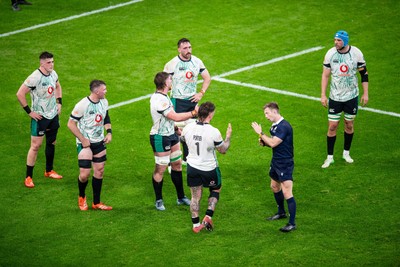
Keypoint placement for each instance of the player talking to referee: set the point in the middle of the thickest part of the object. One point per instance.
(202, 140)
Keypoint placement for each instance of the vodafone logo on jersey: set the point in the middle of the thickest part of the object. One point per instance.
(344, 69)
(189, 75)
(98, 118)
(50, 90)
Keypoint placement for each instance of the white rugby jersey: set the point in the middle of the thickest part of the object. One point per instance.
(160, 106)
(202, 139)
(90, 117)
(184, 76)
(42, 89)
(344, 68)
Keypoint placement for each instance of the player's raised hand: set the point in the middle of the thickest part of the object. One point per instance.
(229, 130)
(256, 127)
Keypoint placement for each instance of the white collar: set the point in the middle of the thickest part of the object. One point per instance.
(276, 123)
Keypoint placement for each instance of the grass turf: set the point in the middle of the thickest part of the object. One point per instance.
(347, 214)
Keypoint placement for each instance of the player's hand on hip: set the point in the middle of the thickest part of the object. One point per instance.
(197, 97)
(35, 116)
(108, 138)
(85, 143)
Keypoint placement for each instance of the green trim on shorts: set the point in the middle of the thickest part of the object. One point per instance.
(34, 127)
(158, 143)
(218, 171)
(79, 148)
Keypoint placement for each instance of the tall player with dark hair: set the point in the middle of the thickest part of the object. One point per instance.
(185, 69)
(46, 95)
(341, 64)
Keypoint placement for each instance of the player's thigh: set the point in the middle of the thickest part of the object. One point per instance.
(85, 156)
(196, 192)
(335, 109)
(99, 161)
(36, 141)
(287, 188)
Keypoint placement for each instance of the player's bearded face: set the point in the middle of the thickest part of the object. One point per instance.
(338, 43)
(185, 50)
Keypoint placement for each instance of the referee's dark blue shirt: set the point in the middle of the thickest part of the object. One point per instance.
(284, 131)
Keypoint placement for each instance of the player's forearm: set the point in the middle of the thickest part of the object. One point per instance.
(365, 88)
(225, 146)
(206, 81)
(21, 96)
(205, 85)
(324, 81)
(58, 92)
(178, 117)
(74, 130)
(324, 85)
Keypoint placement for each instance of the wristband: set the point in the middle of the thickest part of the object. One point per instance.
(59, 100)
(27, 109)
(202, 91)
(194, 113)
(109, 131)
(261, 134)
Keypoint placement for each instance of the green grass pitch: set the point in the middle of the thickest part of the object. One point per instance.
(347, 215)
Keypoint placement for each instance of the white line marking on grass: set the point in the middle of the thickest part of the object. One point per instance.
(70, 18)
(270, 61)
(283, 92)
(232, 72)
(123, 103)
(263, 88)
(220, 78)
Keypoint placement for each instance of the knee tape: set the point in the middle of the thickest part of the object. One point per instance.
(100, 159)
(85, 163)
(214, 194)
(162, 160)
(334, 117)
(349, 117)
(176, 155)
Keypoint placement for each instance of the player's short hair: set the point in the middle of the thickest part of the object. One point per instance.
(272, 105)
(95, 84)
(160, 79)
(205, 109)
(45, 55)
(183, 40)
